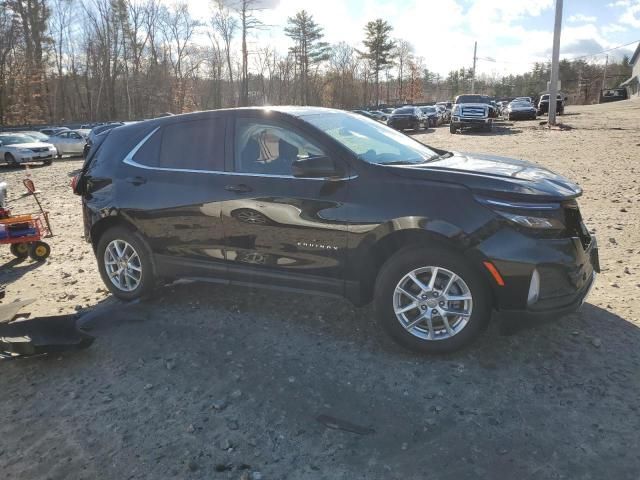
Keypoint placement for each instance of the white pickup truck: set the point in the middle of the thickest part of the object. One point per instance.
(471, 111)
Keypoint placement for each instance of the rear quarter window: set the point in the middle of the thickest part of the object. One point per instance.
(192, 145)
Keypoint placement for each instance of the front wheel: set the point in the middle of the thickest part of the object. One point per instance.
(125, 264)
(452, 129)
(10, 159)
(431, 300)
(39, 251)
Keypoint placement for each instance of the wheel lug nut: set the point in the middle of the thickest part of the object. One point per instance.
(434, 311)
(442, 304)
(423, 307)
(424, 297)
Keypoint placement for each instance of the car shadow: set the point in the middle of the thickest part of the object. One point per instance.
(32, 166)
(554, 401)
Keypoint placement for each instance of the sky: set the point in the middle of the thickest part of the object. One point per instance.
(511, 34)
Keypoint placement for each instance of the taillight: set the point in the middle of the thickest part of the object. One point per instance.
(74, 183)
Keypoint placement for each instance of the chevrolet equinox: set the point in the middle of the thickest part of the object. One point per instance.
(320, 200)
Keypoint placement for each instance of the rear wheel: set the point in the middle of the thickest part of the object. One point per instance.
(19, 250)
(125, 264)
(431, 300)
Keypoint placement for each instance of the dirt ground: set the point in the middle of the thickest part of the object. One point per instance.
(207, 382)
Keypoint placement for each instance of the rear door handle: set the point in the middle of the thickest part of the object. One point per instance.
(136, 180)
(241, 188)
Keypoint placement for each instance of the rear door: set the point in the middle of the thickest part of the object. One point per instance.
(282, 230)
(172, 184)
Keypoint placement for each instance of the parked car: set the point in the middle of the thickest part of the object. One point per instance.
(434, 118)
(379, 115)
(470, 112)
(53, 131)
(520, 110)
(405, 118)
(290, 198)
(16, 149)
(39, 136)
(613, 95)
(543, 104)
(445, 113)
(69, 142)
(523, 99)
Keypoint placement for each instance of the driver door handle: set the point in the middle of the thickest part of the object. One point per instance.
(240, 188)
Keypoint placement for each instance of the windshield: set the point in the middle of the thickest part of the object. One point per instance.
(472, 99)
(15, 139)
(404, 111)
(371, 141)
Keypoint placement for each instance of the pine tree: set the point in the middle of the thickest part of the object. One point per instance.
(308, 49)
(379, 49)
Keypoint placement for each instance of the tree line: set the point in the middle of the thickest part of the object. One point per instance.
(99, 60)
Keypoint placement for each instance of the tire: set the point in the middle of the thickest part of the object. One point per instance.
(47, 162)
(19, 250)
(144, 271)
(10, 159)
(452, 129)
(39, 251)
(395, 271)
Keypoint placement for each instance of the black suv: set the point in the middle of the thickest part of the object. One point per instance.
(311, 199)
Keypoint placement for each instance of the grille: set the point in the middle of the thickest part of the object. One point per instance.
(575, 225)
(39, 149)
(473, 112)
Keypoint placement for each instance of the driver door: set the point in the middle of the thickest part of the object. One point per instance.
(282, 229)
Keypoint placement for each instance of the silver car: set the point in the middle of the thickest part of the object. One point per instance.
(70, 142)
(16, 149)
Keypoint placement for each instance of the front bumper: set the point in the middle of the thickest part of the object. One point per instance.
(470, 121)
(566, 267)
(522, 114)
(34, 157)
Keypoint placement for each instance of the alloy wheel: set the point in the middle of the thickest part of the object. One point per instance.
(432, 303)
(123, 266)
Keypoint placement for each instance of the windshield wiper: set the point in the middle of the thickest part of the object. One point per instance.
(440, 157)
(401, 162)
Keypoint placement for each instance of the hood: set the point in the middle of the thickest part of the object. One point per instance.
(516, 108)
(495, 176)
(30, 145)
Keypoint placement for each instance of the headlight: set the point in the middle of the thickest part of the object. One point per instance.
(532, 222)
(456, 110)
(527, 215)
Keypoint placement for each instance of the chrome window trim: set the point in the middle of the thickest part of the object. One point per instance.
(131, 162)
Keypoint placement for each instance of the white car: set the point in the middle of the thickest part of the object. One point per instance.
(16, 149)
(70, 142)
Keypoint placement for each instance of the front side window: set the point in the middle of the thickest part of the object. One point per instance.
(369, 140)
(269, 147)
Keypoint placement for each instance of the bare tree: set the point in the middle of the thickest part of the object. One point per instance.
(247, 10)
(225, 24)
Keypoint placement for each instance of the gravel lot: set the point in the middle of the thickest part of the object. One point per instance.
(207, 382)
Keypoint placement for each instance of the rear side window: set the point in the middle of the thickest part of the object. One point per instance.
(188, 145)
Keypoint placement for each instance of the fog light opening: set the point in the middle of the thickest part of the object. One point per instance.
(534, 288)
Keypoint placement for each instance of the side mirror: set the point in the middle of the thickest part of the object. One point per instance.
(315, 167)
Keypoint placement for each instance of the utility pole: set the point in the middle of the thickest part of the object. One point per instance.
(473, 72)
(604, 77)
(555, 64)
